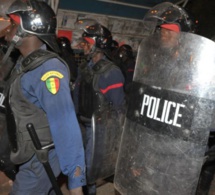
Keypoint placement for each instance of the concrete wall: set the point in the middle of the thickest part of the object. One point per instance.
(124, 31)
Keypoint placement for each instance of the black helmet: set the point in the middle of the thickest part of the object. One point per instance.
(100, 34)
(37, 18)
(168, 13)
(125, 51)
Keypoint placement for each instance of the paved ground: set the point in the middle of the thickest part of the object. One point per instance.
(104, 189)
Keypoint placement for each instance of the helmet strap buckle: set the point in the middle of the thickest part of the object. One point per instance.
(16, 39)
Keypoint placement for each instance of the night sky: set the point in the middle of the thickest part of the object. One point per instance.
(204, 11)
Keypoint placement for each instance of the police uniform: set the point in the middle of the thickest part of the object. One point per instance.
(100, 85)
(42, 96)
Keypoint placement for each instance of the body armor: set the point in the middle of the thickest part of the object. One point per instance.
(90, 97)
(25, 112)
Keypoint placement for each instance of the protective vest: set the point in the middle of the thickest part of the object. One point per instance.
(90, 97)
(25, 112)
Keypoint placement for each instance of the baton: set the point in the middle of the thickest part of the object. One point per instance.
(45, 162)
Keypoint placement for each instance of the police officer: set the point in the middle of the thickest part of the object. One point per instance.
(174, 20)
(171, 16)
(100, 83)
(39, 94)
(167, 21)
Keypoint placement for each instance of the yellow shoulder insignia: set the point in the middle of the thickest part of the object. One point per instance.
(51, 74)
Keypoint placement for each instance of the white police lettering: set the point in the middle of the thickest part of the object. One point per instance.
(1, 100)
(152, 104)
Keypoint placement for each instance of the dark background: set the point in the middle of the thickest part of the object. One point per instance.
(204, 11)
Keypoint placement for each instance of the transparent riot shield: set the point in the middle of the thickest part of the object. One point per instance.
(106, 129)
(170, 112)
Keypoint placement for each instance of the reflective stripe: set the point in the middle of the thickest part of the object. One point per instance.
(118, 85)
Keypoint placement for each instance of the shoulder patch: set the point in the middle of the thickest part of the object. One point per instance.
(53, 84)
(51, 74)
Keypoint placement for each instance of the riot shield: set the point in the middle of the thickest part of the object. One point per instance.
(170, 112)
(106, 130)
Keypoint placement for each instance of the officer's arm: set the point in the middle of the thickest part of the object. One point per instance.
(54, 96)
(111, 86)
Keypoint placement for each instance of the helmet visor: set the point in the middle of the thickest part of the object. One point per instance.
(8, 7)
(90, 26)
(19, 5)
(11, 6)
(153, 16)
(82, 24)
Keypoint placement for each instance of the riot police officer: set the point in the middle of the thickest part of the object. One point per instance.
(39, 94)
(169, 16)
(166, 21)
(151, 152)
(100, 84)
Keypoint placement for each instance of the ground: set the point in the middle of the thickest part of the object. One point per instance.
(103, 189)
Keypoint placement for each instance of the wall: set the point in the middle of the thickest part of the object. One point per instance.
(124, 31)
(122, 17)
